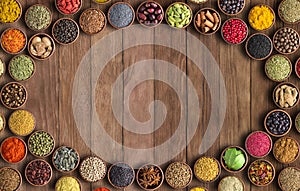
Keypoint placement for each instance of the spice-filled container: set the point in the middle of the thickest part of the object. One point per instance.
(117, 181)
(286, 95)
(207, 21)
(21, 67)
(92, 21)
(150, 14)
(207, 169)
(229, 182)
(199, 189)
(38, 17)
(278, 123)
(92, 169)
(288, 11)
(13, 150)
(65, 159)
(41, 46)
(179, 15)
(65, 31)
(286, 150)
(2, 122)
(261, 172)
(13, 41)
(198, 1)
(258, 144)
(297, 122)
(70, 182)
(38, 172)
(11, 175)
(11, 11)
(288, 179)
(178, 175)
(101, 189)
(13, 95)
(234, 31)
(21, 122)
(2, 68)
(234, 159)
(68, 7)
(100, 2)
(121, 15)
(278, 68)
(231, 8)
(41, 144)
(259, 46)
(286, 40)
(261, 17)
(150, 177)
(297, 67)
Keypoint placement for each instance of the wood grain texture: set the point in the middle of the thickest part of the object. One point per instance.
(248, 91)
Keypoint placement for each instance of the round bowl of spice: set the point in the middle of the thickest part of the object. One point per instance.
(207, 21)
(288, 11)
(92, 169)
(286, 40)
(150, 177)
(21, 122)
(286, 150)
(41, 144)
(11, 11)
(198, 189)
(2, 68)
(101, 1)
(231, 183)
(68, 183)
(179, 15)
(121, 175)
(259, 46)
(289, 179)
(65, 159)
(13, 41)
(261, 17)
(13, 150)
(92, 21)
(2, 122)
(21, 67)
(297, 122)
(38, 172)
(198, 1)
(258, 144)
(207, 169)
(38, 17)
(65, 31)
(41, 46)
(286, 95)
(231, 8)
(278, 68)
(261, 172)
(297, 68)
(178, 175)
(121, 15)
(10, 179)
(278, 123)
(150, 14)
(68, 7)
(234, 159)
(13, 95)
(234, 31)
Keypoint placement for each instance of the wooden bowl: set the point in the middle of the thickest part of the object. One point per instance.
(21, 10)
(81, 22)
(7, 85)
(267, 129)
(80, 186)
(271, 143)
(62, 171)
(41, 35)
(289, 64)
(108, 175)
(208, 33)
(166, 14)
(45, 183)
(246, 46)
(199, 3)
(279, 85)
(275, 44)
(153, 188)
(137, 13)
(13, 53)
(280, 174)
(228, 13)
(23, 144)
(297, 128)
(18, 172)
(108, 15)
(56, 22)
(101, 3)
(10, 63)
(84, 178)
(4, 122)
(298, 61)
(28, 142)
(297, 156)
(40, 5)
(281, 17)
(189, 169)
(215, 177)
(56, 6)
(199, 187)
(266, 161)
(4, 68)
(259, 5)
(15, 133)
(219, 185)
(228, 21)
(223, 162)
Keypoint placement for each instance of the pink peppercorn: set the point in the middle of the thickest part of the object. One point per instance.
(234, 31)
(258, 144)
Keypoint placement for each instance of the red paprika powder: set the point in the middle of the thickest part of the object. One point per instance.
(13, 150)
(101, 189)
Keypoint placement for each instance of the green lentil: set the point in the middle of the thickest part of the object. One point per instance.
(38, 17)
(278, 68)
(41, 143)
(21, 67)
(289, 10)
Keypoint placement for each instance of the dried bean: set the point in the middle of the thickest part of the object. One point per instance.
(92, 169)
(38, 172)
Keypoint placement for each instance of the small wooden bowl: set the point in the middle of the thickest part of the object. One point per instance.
(81, 24)
(84, 178)
(271, 143)
(270, 8)
(10, 63)
(80, 186)
(56, 22)
(280, 174)
(21, 10)
(281, 17)
(161, 181)
(297, 156)
(4, 68)
(45, 183)
(275, 44)
(235, 18)
(41, 35)
(23, 135)
(199, 187)
(14, 53)
(18, 172)
(297, 128)
(273, 169)
(215, 177)
(289, 64)
(137, 13)
(23, 144)
(223, 162)
(7, 85)
(166, 14)
(108, 175)
(279, 85)
(212, 10)
(246, 46)
(189, 169)
(198, 3)
(219, 189)
(108, 15)
(267, 129)
(228, 14)
(298, 61)
(53, 158)
(4, 122)
(40, 5)
(101, 3)
(56, 6)
(28, 142)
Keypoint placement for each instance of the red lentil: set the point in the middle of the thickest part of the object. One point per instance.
(68, 6)
(258, 144)
(234, 31)
(13, 40)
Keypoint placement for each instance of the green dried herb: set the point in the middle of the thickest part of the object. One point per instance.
(289, 10)
(21, 67)
(278, 68)
(298, 123)
(234, 159)
(38, 17)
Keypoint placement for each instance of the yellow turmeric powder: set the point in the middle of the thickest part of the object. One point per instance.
(261, 17)
(10, 11)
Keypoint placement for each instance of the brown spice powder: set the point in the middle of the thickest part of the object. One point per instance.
(286, 150)
(92, 21)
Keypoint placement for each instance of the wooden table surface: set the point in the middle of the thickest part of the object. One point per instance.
(248, 93)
